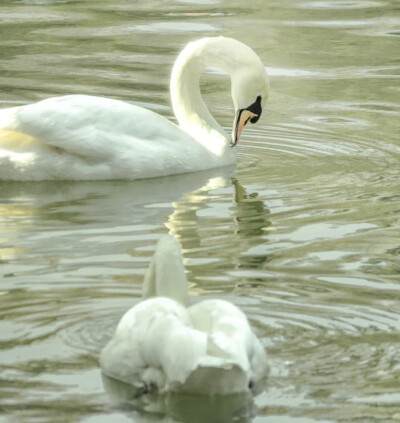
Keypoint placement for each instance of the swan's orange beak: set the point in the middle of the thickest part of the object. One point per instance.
(242, 117)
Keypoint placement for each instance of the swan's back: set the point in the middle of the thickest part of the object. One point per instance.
(81, 137)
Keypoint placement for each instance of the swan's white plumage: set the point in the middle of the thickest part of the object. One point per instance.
(82, 137)
(207, 348)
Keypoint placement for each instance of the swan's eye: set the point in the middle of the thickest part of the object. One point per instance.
(251, 384)
(255, 118)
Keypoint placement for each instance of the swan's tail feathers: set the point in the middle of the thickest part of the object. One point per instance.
(168, 245)
(8, 118)
(17, 141)
(16, 154)
(166, 274)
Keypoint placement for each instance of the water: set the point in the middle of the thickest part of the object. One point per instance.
(304, 236)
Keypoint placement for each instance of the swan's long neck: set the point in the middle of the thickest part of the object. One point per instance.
(187, 102)
(165, 276)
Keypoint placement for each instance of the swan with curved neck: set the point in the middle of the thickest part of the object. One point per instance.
(164, 344)
(249, 83)
(80, 137)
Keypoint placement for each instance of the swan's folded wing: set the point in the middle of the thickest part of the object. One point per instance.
(82, 137)
(84, 125)
(89, 125)
(229, 333)
(230, 336)
(154, 342)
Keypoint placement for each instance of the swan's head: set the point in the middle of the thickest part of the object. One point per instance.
(250, 89)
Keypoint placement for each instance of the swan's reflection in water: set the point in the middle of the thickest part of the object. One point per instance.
(215, 219)
(153, 407)
(252, 224)
(217, 225)
(249, 212)
(89, 202)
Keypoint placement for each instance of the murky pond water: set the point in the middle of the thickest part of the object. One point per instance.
(304, 235)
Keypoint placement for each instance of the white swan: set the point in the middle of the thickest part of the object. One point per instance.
(80, 137)
(207, 348)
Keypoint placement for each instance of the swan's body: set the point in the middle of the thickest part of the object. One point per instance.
(207, 348)
(81, 137)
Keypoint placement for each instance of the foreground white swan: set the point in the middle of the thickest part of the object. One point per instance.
(83, 137)
(207, 348)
